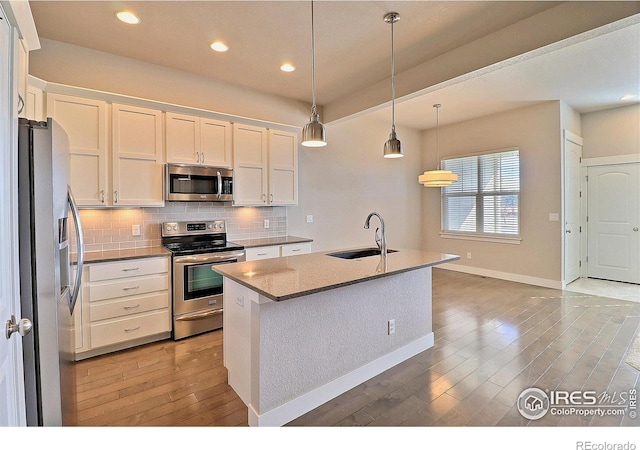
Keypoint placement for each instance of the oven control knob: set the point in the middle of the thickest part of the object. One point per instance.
(175, 228)
(168, 228)
(221, 225)
(210, 226)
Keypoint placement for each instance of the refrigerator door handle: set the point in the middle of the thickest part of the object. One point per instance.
(73, 296)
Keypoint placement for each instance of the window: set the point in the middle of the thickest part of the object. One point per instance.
(485, 201)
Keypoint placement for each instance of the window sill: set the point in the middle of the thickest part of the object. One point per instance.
(483, 238)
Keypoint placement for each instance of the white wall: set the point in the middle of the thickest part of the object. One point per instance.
(343, 182)
(612, 132)
(536, 131)
(63, 63)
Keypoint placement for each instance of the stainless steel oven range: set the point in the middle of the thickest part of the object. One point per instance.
(197, 289)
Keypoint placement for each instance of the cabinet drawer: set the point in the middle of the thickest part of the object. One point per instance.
(128, 306)
(116, 331)
(255, 253)
(296, 249)
(129, 268)
(126, 287)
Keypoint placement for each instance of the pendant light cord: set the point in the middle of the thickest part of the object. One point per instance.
(393, 84)
(313, 62)
(437, 107)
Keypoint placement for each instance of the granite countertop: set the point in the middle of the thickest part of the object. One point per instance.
(121, 255)
(267, 242)
(295, 276)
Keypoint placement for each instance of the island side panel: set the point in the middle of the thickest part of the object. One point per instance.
(237, 337)
(309, 342)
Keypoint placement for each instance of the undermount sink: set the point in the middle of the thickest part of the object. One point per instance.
(359, 253)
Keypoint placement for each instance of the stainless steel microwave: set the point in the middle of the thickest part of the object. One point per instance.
(187, 183)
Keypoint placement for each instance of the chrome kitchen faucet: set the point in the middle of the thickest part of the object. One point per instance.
(381, 242)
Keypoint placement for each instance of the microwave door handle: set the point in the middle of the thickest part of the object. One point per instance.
(219, 185)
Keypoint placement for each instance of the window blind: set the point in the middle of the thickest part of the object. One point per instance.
(486, 198)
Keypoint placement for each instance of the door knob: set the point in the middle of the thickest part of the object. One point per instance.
(23, 327)
(635, 228)
(568, 231)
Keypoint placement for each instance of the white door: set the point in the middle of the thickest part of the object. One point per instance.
(613, 222)
(12, 403)
(572, 200)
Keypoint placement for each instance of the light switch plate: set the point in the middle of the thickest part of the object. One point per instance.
(309, 218)
(135, 230)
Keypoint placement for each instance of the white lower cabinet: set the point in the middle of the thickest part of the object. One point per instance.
(256, 253)
(124, 303)
(277, 251)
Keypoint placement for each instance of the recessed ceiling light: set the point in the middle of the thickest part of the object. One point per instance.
(219, 46)
(287, 67)
(128, 17)
(628, 97)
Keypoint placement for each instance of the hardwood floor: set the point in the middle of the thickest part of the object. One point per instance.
(493, 339)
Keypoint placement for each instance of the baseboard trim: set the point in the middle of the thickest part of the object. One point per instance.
(542, 282)
(295, 408)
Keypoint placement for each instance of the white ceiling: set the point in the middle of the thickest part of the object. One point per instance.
(353, 50)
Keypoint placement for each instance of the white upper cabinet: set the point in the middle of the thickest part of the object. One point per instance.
(265, 166)
(85, 122)
(137, 156)
(283, 168)
(198, 140)
(215, 143)
(249, 165)
(182, 138)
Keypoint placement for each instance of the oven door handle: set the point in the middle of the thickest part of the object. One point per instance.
(198, 259)
(199, 315)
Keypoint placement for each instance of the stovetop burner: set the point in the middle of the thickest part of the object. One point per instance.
(186, 238)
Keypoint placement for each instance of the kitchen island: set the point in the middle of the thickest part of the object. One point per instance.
(301, 330)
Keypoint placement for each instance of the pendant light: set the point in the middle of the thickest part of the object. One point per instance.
(313, 133)
(438, 177)
(393, 147)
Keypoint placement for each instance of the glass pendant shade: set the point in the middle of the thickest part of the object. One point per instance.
(393, 147)
(313, 133)
(437, 178)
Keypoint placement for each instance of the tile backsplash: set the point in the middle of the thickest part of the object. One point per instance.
(110, 229)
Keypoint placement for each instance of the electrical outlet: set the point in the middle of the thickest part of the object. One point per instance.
(266, 223)
(391, 326)
(135, 230)
(554, 217)
(468, 255)
(309, 218)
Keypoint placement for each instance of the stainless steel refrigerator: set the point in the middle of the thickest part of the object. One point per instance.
(48, 292)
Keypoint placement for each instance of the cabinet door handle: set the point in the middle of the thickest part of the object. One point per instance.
(127, 308)
(131, 330)
(271, 198)
(198, 157)
(263, 254)
(202, 157)
(102, 195)
(131, 288)
(115, 196)
(264, 198)
(295, 249)
(131, 269)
